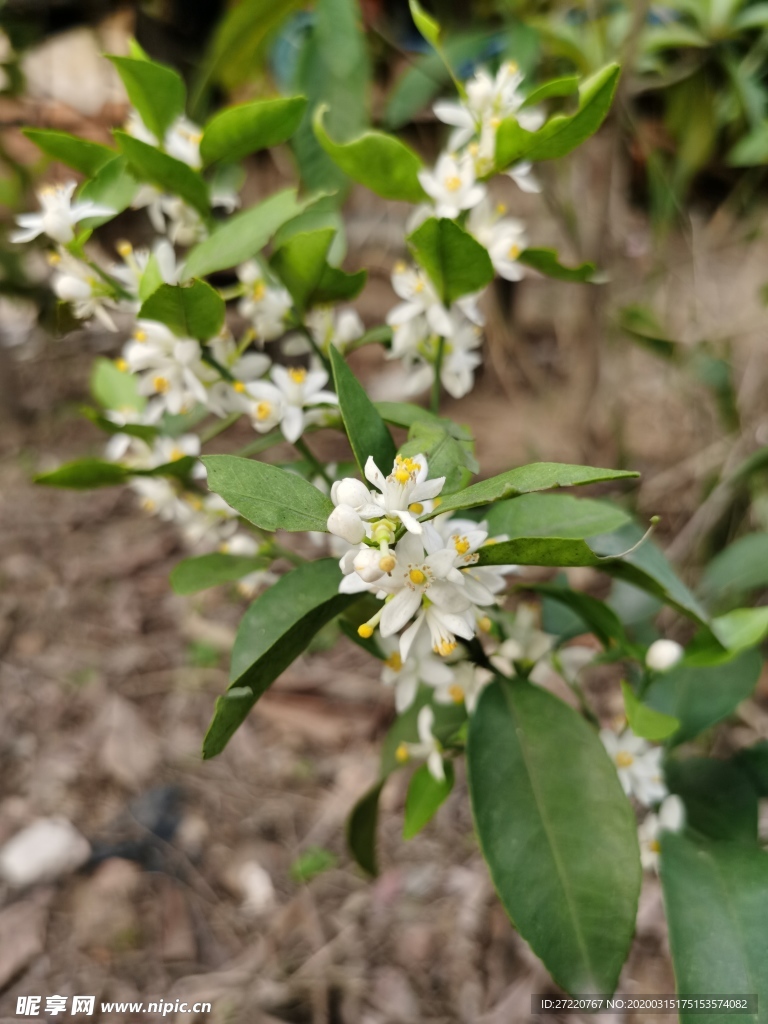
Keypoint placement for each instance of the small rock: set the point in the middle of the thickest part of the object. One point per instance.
(104, 912)
(43, 852)
(22, 935)
(130, 750)
(178, 937)
(256, 887)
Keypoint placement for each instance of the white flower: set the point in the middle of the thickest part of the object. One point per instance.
(328, 327)
(566, 662)
(181, 141)
(670, 818)
(468, 682)
(170, 215)
(135, 262)
(638, 765)
(421, 666)
(284, 401)
(228, 396)
(158, 496)
(171, 367)
(466, 537)
(452, 185)
(525, 643)
(402, 493)
(663, 655)
(503, 237)
(523, 176)
(419, 298)
(428, 748)
(345, 522)
(58, 216)
(76, 283)
(263, 304)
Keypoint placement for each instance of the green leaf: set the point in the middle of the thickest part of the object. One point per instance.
(546, 262)
(337, 285)
(144, 433)
(192, 310)
(361, 829)
(238, 131)
(557, 832)
(84, 156)
(274, 631)
(557, 552)
(425, 795)
(366, 430)
(554, 515)
(84, 474)
(311, 863)
(720, 801)
(595, 616)
(565, 86)
(741, 628)
(538, 476)
(645, 721)
(641, 325)
(426, 25)
(156, 91)
(112, 186)
(563, 132)
(243, 235)
(205, 571)
(753, 761)
(165, 172)
(738, 570)
(752, 149)
(114, 389)
(456, 263)
(701, 695)
(379, 161)
(445, 455)
(716, 899)
(300, 263)
(239, 40)
(405, 414)
(269, 497)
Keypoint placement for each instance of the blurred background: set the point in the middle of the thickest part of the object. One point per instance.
(229, 880)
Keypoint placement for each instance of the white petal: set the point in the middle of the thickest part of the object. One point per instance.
(400, 610)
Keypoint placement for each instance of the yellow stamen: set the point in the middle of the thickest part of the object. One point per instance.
(176, 454)
(484, 623)
(456, 693)
(387, 563)
(514, 252)
(394, 661)
(513, 67)
(417, 576)
(124, 249)
(365, 631)
(263, 410)
(501, 209)
(445, 647)
(654, 846)
(140, 335)
(495, 122)
(121, 365)
(473, 148)
(461, 544)
(54, 259)
(259, 290)
(238, 386)
(148, 505)
(399, 267)
(452, 182)
(402, 476)
(297, 374)
(193, 501)
(160, 384)
(416, 507)
(402, 754)
(419, 286)
(624, 759)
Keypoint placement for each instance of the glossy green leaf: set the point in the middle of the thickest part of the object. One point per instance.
(368, 434)
(424, 798)
(405, 414)
(84, 156)
(379, 161)
(362, 825)
(538, 476)
(243, 235)
(720, 801)
(165, 172)
(248, 127)
(194, 574)
(593, 615)
(716, 899)
(85, 474)
(274, 631)
(114, 389)
(557, 87)
(337, 285)
(563, 132)
(645, 721)
(547, 262)
(113, 186)
(156, 91)
(557, 832)
(702, 695)
(446, 456)
(192, 310)
(554, 515)
(738, 570)
(269, 497)
(456, 263)
(426, 25)
(557, 552)
(300, 263)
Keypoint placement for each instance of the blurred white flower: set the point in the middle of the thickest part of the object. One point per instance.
(638, 765)
(662, 655)
(452, 185)
(58, 216)
(670, 818)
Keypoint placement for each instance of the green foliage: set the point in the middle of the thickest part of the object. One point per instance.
(720, 801)
(203, 571)
(644, 721)
(114, 389)
(716, 899)
(86, 157)
(113, 185)
(302, 265)
(737, 571)
(361, 829)
(155, 90)
(546, 262)
(563, 855)
(244, 129)
(554, 515)
(275, 630)
(269, 497)
(85, 474)
(446, 455)
(455, 262)
(191, 310)
(312, 862)
(424, 797)
(366, 430)
(164, 172)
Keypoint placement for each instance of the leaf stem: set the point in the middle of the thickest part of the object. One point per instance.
(303, 448)
(434, 403)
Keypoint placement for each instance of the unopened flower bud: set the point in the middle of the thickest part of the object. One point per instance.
(350, 492)
(346, 523)
(663, 654)
(69, 288)
(387, 563)
(367, 564)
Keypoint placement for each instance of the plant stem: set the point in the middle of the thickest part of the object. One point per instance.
(434, 403)
(303, 449)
